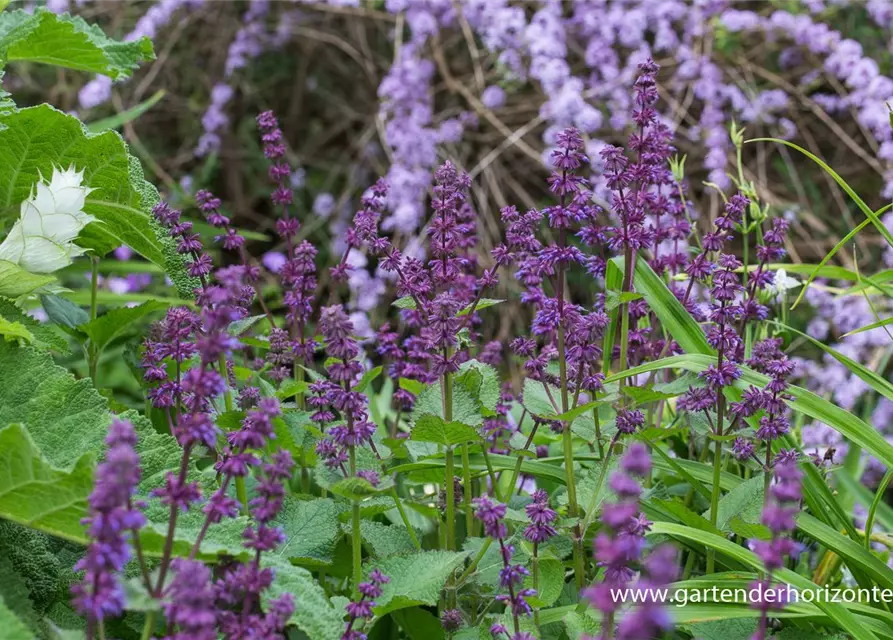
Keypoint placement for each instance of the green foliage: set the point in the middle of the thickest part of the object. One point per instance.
(44, 336)
(314, 614)
(13, 627)
(38, 138)
(15, 281)
(114, 322)
(32, 558)
(429, 428)
(416, 579)
(66, 41)
(311, 529)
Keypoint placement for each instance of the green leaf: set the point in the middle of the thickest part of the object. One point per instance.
(734, 629)
(416, 579)
(840, 615)
(677, 321)
(385, 540)
(14, 331)
(551, 582)
(357, 488)
(614, 298)
(536, 468)
(15, 281)
(45, 335)
(38, 138)
(367, 378)
(129, 115)
(419, 624)
(686, 516)
(313, 614)
(806, 402)
(744, 501)
(429, 428)
(541, 399)
(406, 302)
(466, 409)
(311, 530)
(483, 303)
(868, 376)
(13, 628)
(35, 494)
(64, 312)
(66, 41)
(114, 322)
(482, 382)
(239, 327)
(291, 388)
(872, 216)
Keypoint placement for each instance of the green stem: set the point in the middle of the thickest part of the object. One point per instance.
(466, 480)
(149, 626)
(573, 508)
(399, 505)
(93, 352)
(535, 565)
(356, 540)
(716, 490)
(517, 470)
(869, 521)
(241, 491)
(450, 515)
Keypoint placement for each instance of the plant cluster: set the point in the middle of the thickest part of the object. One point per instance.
(287, 472)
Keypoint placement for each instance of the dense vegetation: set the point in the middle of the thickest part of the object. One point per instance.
(508, 320)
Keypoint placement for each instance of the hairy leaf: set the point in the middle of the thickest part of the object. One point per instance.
(67, 41)
(416, 579)
(311, 529)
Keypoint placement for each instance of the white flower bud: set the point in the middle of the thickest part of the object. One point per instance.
(42, 239)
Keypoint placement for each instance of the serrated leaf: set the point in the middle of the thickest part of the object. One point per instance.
(15, 281)
(67, 41)
(45, 335)
(313, 614)
(67, 422)
(466, 409)
(311, 529)
(37, 138)
(429, 428)
(481, 381)
(385, 540)
(550, 583)
(744, 502)
(15, 331)
(114, 322)
(539, 397)
(416, 579)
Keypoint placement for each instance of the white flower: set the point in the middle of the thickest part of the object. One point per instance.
(782, 284)
(42, 239)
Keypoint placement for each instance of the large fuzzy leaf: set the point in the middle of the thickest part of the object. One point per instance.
(36, 139)
(416, 579)
(66, 41)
